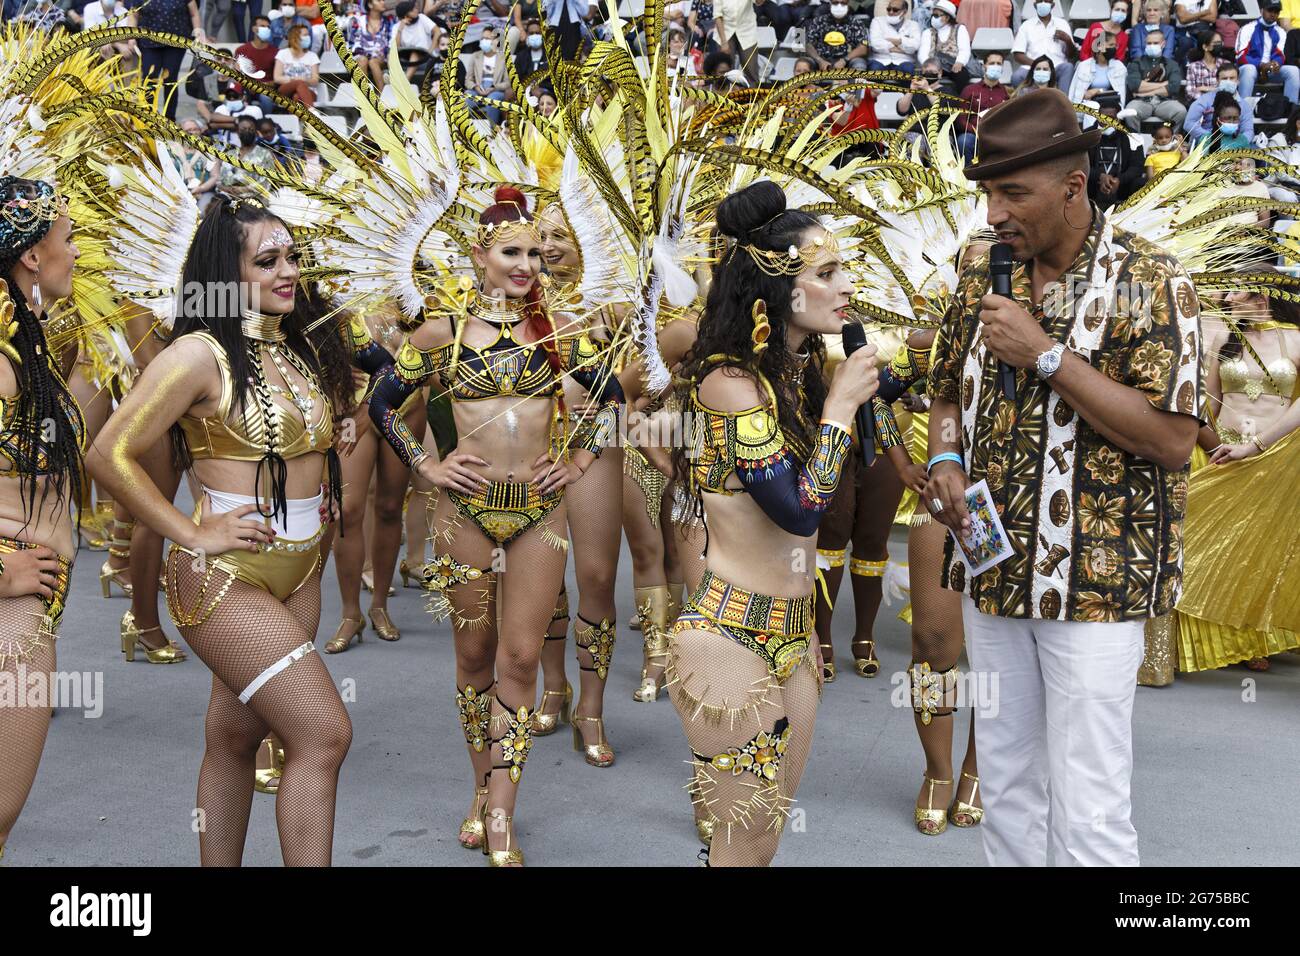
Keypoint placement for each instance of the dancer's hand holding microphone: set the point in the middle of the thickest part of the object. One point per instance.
(855, 382)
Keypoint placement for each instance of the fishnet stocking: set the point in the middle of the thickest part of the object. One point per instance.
(147, 546)
(350, 548)
(645, 540)
(248, 631)
(391, 480)
(553, 676)
(725, 698)
(22, 729)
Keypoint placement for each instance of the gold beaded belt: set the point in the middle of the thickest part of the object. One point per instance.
(775, 628)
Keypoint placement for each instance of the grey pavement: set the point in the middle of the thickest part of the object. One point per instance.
(1214, 773)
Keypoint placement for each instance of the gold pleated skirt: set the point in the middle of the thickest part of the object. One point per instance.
(1241, 564)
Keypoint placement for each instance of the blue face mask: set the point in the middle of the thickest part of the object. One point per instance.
(1229, 129)
(1228, 86)
(264, 33)
(1118, 16)
(993, 71)
(535, 41)
(1042, 76)
(305, 42)
(487, 46)
(1043, 9)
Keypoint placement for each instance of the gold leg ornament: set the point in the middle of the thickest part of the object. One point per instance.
(758, 758)
(598, 641)
(866, 666)
(653, 607)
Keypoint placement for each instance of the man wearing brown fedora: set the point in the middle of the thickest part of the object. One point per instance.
(1087, 468)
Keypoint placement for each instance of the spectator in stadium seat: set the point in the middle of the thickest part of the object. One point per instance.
(416, 35)
(1260, 50)
(979, 96)
(947, 41)
(1115, 26)
(530, 58)
(1202, 72)
(894, 38)
(1155, 19)
(1155, 83)
(1041, 74)
(1049, 36)
(837, 40)
(1100, 73)
(296, 69)
(1200, 114)
(486, 76)
(1191, 17)
(1117, 167)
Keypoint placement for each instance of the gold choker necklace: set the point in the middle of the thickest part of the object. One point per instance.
(505, 311)
(261, 328)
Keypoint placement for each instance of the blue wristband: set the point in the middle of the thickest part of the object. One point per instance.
(944, 456)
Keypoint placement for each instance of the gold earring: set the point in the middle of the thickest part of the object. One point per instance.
(762, 328)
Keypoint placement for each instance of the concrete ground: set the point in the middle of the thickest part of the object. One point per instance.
(1214, 773)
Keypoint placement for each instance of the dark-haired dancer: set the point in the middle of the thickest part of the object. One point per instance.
(769, 445)
(250, 404)
(41, 474)
(502, 502)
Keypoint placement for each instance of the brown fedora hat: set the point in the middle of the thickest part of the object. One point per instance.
(1026, 130)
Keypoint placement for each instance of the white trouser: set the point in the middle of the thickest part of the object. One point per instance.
(1060, 735)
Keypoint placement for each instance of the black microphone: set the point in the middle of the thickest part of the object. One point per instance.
(854, 335)
(1000, 273)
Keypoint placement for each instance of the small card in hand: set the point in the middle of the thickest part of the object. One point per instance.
(986, 543)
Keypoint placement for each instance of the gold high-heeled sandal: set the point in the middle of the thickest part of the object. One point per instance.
(383, 625)
(960, 808)
(119, 547)
(132, 637)
(828, 663)
(407, 573)
(704, 830)
(865, 666)
(545, 724)
(267, 780)
(930, 821)
(471, 834)
(506, 857)
(599, 754)
(342, 638)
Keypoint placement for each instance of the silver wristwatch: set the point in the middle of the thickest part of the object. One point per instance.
(1050, 361)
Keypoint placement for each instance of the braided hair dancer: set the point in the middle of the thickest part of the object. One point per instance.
(41, 474)
(250, 405)
(502, 495)
(768, 448)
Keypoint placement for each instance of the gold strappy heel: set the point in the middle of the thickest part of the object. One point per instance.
(471, 834)
(828, 663)
(169, 653)
(506, 857)
(342, 638)
(599, 754)
(930, 821)
(866, 666)
(407, 572)
(544, 723)
(383, 625)
(267, 780)
(960, 808)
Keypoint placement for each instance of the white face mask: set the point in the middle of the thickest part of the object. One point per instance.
(937, 22)
(287, 11)
(1042, 76)
(1163, 147)
(1155, 51)
(839, 10)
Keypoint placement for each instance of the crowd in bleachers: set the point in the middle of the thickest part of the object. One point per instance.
(1224, 71)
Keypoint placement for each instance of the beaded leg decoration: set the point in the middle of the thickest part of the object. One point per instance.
(653, 607)
(597, 640)
(934, 694)
(756, 765)
(515, 726)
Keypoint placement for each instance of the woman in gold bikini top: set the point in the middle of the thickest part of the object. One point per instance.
(249, 400)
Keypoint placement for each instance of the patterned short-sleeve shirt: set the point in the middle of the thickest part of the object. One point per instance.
(1097, 531)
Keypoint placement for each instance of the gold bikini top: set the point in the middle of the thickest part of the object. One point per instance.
(1239, 376)
(242, 437)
